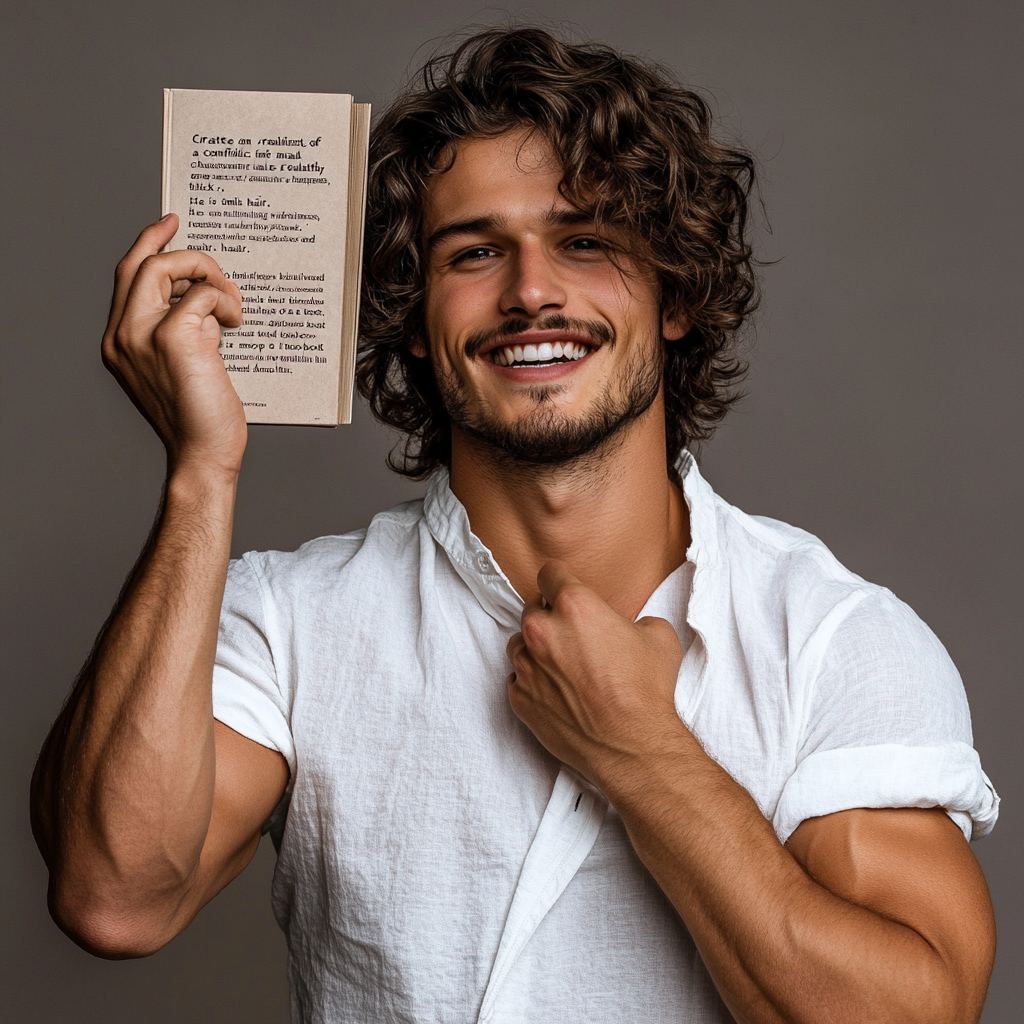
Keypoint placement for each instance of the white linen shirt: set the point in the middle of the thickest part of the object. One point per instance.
(437, 865)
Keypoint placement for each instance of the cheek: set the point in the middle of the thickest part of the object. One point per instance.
(444, 309)
(444, 321)
(454, 309)
(631, 303)
(435, 305)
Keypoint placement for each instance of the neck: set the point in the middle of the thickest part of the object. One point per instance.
(615, 517)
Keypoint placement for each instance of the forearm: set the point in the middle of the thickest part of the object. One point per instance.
(891, 919)
(780, 947)
(124, 788)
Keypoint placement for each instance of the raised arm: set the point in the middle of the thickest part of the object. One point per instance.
(143, 806)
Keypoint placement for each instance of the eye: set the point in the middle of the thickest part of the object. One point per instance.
(586, 243)
(476, 254)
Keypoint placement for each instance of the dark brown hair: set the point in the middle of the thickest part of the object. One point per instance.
(637, 152)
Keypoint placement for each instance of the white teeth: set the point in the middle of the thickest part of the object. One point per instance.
(545, 352)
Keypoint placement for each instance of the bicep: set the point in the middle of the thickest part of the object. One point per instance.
(250, 781)
(912, 866)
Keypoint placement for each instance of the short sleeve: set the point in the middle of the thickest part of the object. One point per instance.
(246, 694)
(887, 725)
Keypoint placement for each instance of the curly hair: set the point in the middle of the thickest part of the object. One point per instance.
(636, 151)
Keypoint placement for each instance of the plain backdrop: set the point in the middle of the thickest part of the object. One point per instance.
(884, 411)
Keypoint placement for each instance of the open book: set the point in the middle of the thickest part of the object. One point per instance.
(273, 186)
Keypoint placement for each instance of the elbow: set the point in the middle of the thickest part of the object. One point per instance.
(935, 998)
(105, 930)
(950, 989)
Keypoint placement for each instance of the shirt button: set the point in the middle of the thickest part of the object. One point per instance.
(483, 564)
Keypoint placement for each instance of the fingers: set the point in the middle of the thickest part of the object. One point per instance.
(151, 240)
(525, 667)
(662, 642)
(562, 596)
(552, 579)
(659, 631)
(515, 648)
(148, 281)
(209, 298)
(200, 301)
(160, 276)
(158, 292)
(161, 343)
(513, 642)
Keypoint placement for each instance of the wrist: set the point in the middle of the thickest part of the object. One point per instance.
(668, 754)
(193, 482)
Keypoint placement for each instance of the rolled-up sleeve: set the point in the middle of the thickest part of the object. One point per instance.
(887, 725)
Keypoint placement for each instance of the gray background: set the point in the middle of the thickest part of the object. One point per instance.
(884, 414)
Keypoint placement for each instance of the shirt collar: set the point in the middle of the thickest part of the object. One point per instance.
(448, 522)
(700, 500)
(703, 552)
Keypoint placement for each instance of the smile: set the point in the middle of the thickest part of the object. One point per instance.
(544, 354)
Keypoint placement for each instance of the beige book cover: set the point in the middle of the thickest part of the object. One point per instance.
(273, 187)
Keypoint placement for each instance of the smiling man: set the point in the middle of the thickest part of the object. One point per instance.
(549, 380)
(572, 739)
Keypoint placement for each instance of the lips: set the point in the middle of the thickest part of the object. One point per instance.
(538, 348)
(543, 354)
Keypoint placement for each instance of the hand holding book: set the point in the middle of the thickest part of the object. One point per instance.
(162, 344)
(272, 187)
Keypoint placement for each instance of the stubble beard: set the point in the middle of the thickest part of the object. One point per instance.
(546, 437)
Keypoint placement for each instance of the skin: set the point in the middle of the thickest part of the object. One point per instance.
(614, 509)
(144, 807)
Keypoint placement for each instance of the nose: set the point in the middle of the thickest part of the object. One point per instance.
(534, 285)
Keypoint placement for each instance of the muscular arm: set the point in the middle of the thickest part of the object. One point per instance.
(865, 916)
(143, 806)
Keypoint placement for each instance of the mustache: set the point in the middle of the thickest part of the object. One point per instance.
(556, 322)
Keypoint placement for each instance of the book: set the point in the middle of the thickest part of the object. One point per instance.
(273, 186)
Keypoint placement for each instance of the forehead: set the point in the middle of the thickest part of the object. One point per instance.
(512, 174)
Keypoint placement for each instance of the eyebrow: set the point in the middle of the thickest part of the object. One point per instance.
(553, 218)
(464, 227)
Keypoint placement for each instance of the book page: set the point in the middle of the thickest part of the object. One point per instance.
(260, 182)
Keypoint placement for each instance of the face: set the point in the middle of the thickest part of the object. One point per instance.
(545, 340)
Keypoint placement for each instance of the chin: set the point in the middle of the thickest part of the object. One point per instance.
(553, 436)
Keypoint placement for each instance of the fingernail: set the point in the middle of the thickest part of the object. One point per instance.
(163, 218)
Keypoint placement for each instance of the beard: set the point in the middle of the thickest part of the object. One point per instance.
(546, 436)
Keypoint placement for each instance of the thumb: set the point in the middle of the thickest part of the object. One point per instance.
(661, 635)
(553, 578)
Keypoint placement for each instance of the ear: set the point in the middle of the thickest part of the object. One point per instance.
(674, 325)
(417, 346)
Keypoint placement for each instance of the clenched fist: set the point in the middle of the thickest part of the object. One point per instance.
(596, 689)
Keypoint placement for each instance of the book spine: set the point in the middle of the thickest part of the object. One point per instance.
(359, 137)
(165, 178)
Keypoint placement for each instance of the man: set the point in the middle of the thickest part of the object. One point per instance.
(572, 739)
